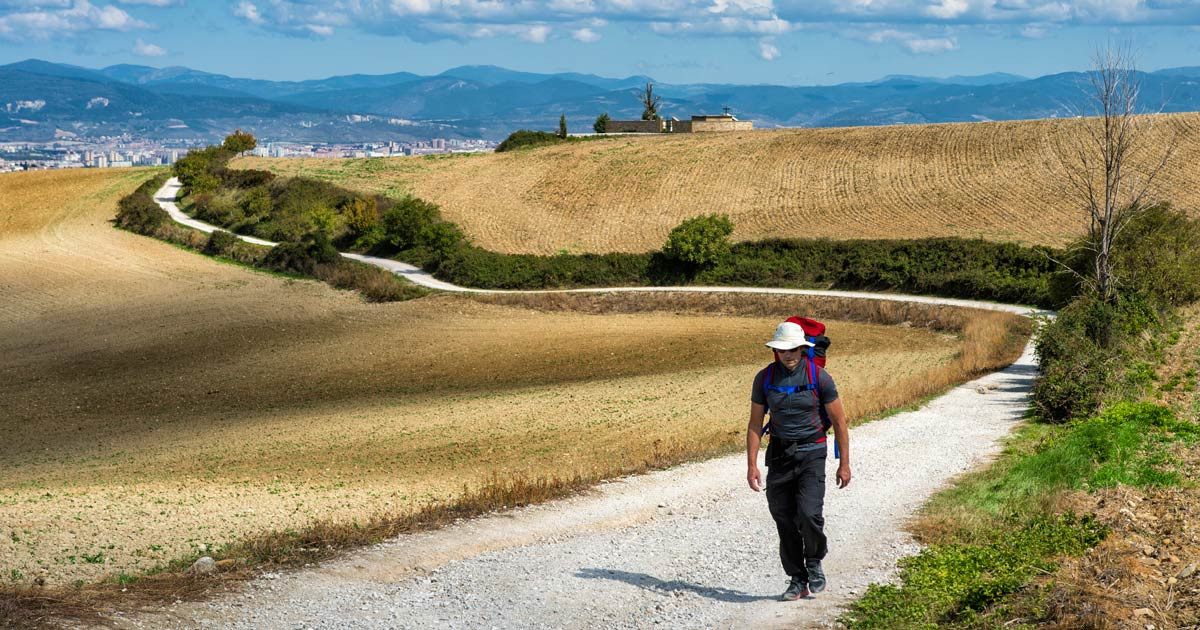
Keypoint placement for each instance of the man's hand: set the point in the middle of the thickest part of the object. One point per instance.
(754, 478)
(843, 475)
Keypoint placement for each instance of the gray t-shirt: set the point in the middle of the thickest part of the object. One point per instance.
(795, 416)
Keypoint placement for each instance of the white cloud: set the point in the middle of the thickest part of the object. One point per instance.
(154, 3)
(931, 45)
(585, 35)
(535, 34)
(1034, 31)
(1013, 12)
(300, 19)
(41, 23)
(913, 42)
(724, 26)
(145, 49)
(249, 12)
(948, 9)
(323, 30)
(767, 50)
(539, 21)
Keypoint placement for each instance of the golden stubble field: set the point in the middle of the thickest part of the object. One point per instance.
(999, 181)
(157, 403)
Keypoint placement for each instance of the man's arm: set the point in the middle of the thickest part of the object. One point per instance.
(753, 442)
(841, 433)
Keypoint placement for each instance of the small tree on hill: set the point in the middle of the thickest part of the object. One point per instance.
(239, 142)
(601, 124)
(700, 241)
(1110, 164)
(650, 103)
(562, 126)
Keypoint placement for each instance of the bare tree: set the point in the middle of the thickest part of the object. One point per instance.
(1111, 165)
(650, 102)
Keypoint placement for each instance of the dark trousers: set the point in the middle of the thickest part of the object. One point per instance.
(796, 497)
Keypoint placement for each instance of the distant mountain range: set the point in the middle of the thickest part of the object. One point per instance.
(40, 100)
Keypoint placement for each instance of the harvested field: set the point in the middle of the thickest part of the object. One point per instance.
(998, 181)
(158, 404)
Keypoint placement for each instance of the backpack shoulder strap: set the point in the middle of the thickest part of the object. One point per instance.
(768, 380)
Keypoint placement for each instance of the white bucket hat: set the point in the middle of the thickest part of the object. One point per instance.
(788, 336)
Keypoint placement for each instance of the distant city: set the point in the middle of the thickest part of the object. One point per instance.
(124, 151)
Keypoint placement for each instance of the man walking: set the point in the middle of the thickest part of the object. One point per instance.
(803, 401)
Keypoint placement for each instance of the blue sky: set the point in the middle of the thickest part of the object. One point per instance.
(789, 42)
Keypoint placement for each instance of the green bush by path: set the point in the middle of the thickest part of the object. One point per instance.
(529, 139)
(138, 212)
(700, 241)
(952, 267)
(525, 138)
(1094, 351)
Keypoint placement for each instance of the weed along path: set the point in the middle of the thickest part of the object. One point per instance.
(688, 547)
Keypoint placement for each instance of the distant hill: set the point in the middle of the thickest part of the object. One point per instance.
(999, 181)
(489, 101)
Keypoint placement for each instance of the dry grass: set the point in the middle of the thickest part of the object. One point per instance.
(999, 181)
(159, 405)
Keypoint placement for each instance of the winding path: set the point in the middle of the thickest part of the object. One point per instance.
(688, 547)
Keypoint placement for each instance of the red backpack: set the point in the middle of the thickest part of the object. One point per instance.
(814, 331)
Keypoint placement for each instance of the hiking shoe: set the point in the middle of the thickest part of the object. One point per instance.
(797, 589)
(816, 576)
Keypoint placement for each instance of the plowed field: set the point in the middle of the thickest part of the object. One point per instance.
(155, 403)
(999, 181)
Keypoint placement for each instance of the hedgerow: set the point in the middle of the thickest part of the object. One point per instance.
(312, 255)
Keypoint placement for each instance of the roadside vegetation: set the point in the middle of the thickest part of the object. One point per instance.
(529, 139)
(313, 218)
(1101, 429)
(308, 252)
(1117, 426)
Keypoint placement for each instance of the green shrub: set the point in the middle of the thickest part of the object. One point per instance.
(239, 142)
(1090, 353)
(601, 124)
(138, 212)
(256, 206)
(1157, 256)
(218, 208)
(302, 256)
(407, 223)
(220, 243)
(373, 283)
(476, 267)
(244, 178)
(700, 241)
(199, 170)
(524, 138)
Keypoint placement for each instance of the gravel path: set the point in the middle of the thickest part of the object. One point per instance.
(689, 547)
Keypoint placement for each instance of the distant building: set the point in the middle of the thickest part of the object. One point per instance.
(702, 123)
